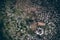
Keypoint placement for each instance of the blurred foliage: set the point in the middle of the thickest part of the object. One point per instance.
(8, 14)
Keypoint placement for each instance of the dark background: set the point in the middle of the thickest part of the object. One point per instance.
(55, 3)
